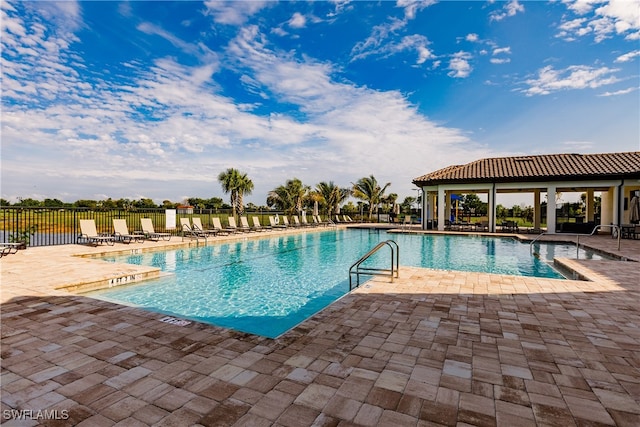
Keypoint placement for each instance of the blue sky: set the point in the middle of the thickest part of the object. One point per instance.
(155, 98)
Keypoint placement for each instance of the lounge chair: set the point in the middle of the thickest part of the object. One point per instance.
(197, 226)
(233, 227)
(272, 223)
(323, 223)
(285, 221)
(337, 217)
(9, 248)
(150, 233)
(217, 225)
(407, 221)
(305, 223)
(90, 235)
(121, 232)
(188, 230)
(296, 221)
(347, 218)
(257, 226)
(244, 225)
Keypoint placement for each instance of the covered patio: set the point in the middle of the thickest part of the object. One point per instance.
(615, 176)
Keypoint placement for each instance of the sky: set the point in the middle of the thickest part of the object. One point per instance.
(153, 99)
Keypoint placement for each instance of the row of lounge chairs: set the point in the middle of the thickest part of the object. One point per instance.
(191, 228)
(89, 234)
(194, 228)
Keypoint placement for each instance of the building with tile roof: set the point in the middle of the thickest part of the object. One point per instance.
(616, 176)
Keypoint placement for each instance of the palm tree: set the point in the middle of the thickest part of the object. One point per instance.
(333, 195)
(238, 184)
(369, 190)
(289, 197)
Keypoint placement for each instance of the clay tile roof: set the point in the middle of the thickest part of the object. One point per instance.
(538, 168)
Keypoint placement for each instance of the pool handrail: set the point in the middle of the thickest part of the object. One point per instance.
(395, 256)
(615, 227)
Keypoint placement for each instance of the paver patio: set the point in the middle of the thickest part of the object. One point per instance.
(433, 348)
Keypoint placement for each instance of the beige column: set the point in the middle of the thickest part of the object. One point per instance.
(537, 213)
(441, 208)
(491, 208)
(590, 205)
(551, 209)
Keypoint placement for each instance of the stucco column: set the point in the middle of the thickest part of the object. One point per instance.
(491, 208)
(551, 209)
(537, 214)
(441, 208)
(590, 205)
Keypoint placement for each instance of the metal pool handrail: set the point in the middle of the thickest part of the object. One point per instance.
(615, 227)
(395, 256)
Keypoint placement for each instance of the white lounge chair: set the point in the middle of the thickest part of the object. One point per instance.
(217, 225)
(188, 230)
(121, 232)
(233, 227)
(272, 223)
(150, 233)
(89, 234)
(257, 226)
(306, 223)
(244, 225)
(197, 226)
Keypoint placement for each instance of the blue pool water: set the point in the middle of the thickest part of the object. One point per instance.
(267, 286)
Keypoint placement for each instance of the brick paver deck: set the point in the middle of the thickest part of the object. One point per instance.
(433, 348)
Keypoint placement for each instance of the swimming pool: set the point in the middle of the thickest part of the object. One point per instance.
(267, 286)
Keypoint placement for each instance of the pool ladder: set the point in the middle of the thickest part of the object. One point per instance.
(615, 234)
(370, 271)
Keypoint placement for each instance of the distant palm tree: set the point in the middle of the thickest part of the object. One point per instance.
(369, 190)
(333, 195)
(238, 184)
(289, 197)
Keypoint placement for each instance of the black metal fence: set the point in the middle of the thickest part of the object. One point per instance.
(60, 226)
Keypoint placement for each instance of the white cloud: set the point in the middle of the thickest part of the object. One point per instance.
(510, 9)
(472, 37)
(602, 19)
(502, 50)
(377, 44)
(411, 7)
(459, 65)
(381, 41)
(581, 6)
(297, 21)
(620, 92)
(374, 44)
(233, 12)
(628, 56)
(550, 80)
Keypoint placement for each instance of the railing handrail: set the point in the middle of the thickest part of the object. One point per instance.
(599, 226)
(376, 271)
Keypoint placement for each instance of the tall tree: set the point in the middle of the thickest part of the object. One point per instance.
(369, 190)
(237, 184)
(333, 195)
(289, 197)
